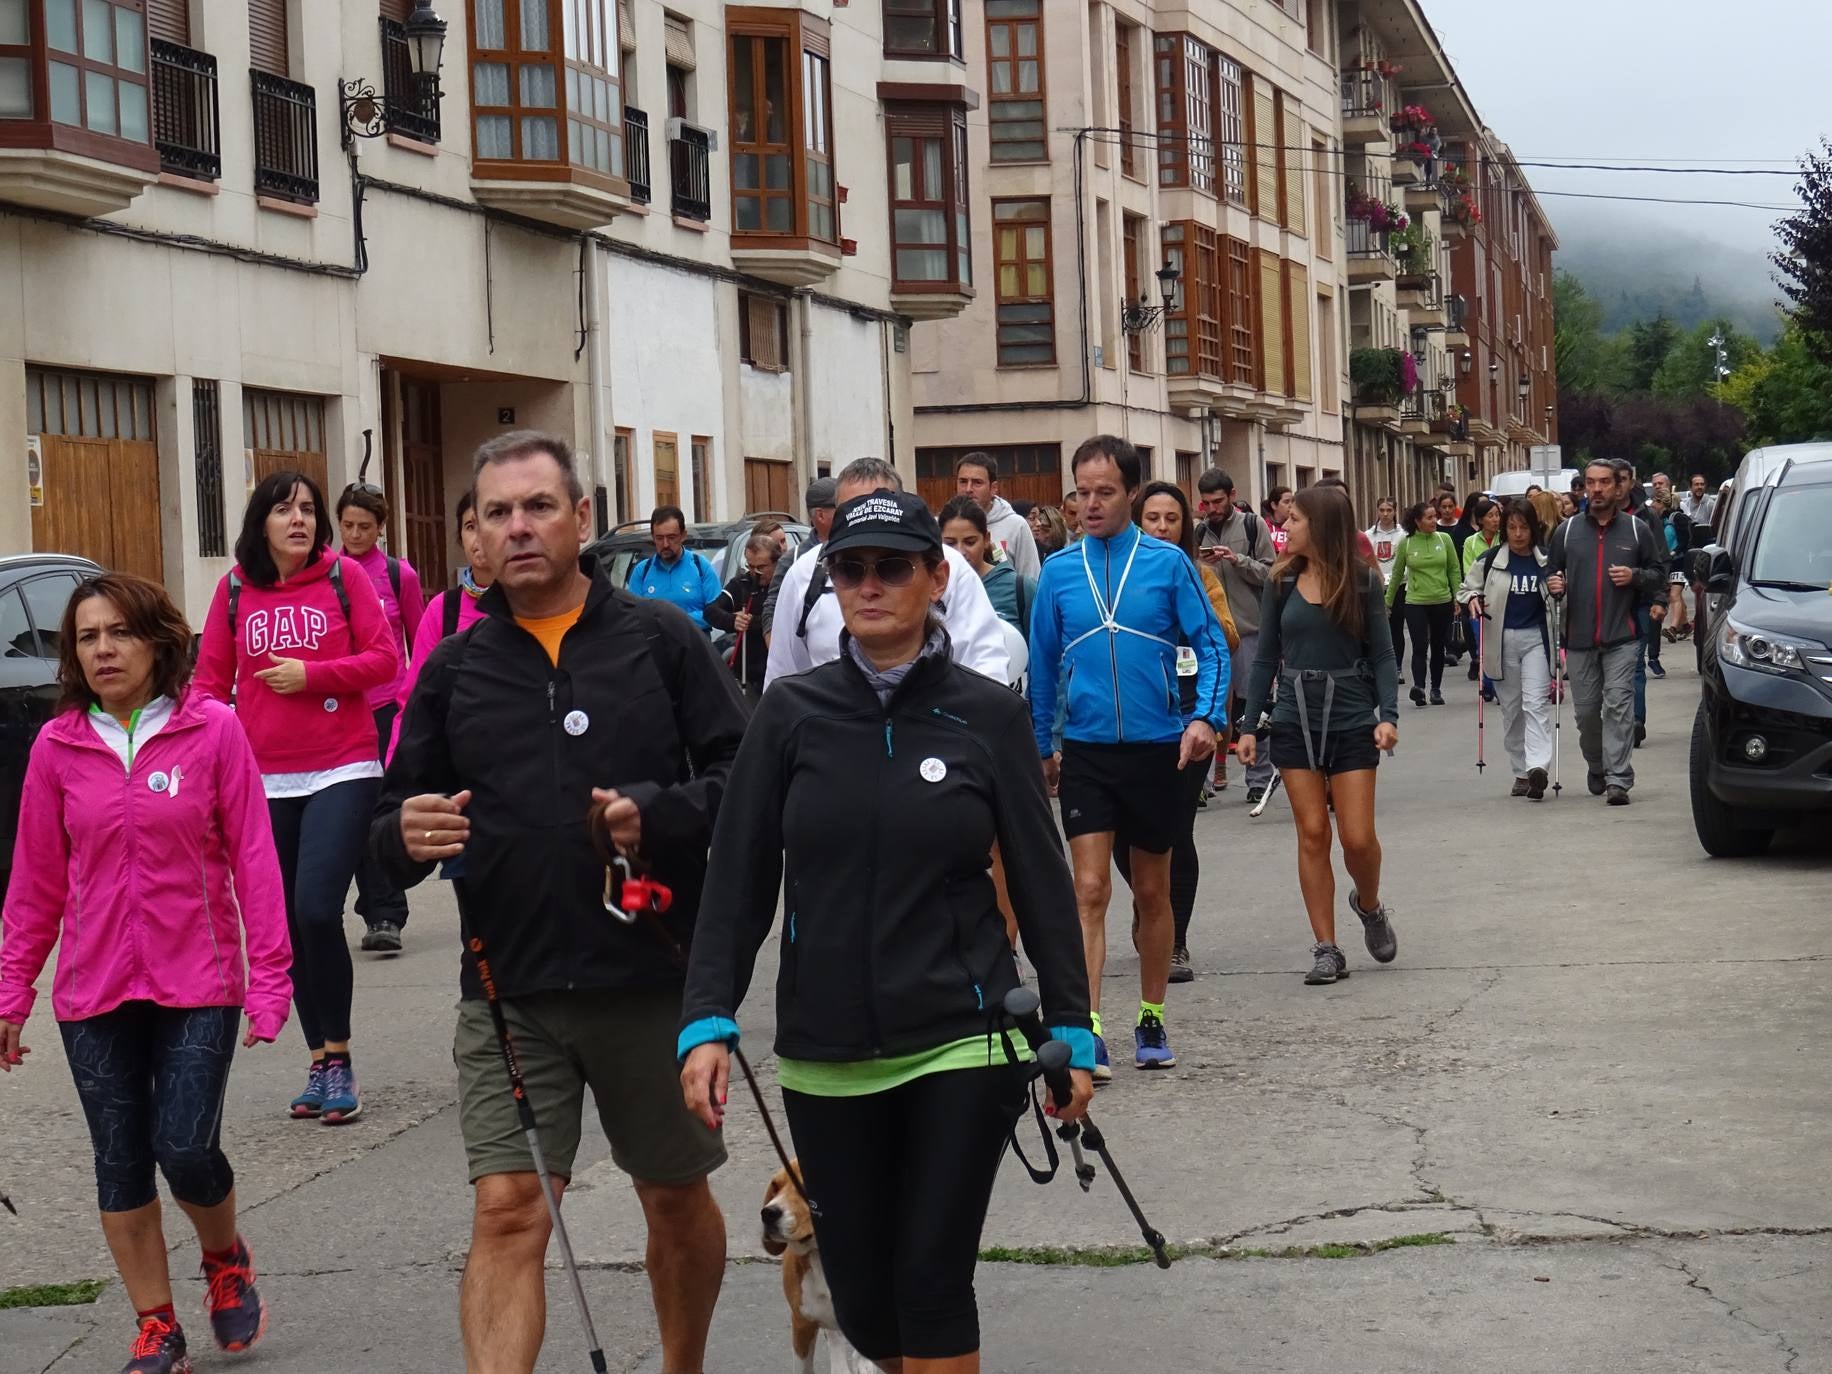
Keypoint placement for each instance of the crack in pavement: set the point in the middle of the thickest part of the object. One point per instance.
(60, 1356)
(1696, 1282)
(1401, 970)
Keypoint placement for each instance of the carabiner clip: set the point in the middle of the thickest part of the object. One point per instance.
(612, 883)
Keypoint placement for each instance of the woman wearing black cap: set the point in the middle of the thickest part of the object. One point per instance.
(867, 796)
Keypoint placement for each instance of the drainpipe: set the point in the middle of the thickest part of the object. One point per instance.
(801, 381)
(884, 367)
(597, 372)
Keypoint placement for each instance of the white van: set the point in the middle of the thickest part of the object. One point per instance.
(1516, 483)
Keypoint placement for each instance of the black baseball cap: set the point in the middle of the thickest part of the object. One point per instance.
(884, 520)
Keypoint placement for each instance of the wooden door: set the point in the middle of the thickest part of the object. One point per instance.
(102, 502)
(268, 461)
(423, 476)
(667, 470)
(766, 485)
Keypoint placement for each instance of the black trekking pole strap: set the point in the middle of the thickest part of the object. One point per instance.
(1036, 1105)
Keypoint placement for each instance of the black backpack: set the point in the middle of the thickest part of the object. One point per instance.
(449, 607)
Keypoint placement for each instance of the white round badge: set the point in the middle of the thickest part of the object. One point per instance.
(158, 782)
(577, 722)
(933, 770)
(330, 703)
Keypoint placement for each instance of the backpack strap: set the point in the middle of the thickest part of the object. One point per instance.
(235, 601)
(817, 587)
(1251, 523)
(343, 597)
(394, 576)
(449, 608)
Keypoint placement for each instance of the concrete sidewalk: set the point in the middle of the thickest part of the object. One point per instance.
(1596, 1071)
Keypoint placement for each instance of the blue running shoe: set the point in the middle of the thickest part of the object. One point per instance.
(311, 1101)
(238, 1317)
(1103, 1069)
(1153, 1045)
(341, 1100)
(158, 1349)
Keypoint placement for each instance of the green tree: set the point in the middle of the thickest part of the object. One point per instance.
(1805, 258)
(1786, 393)
(1690, 365)
(1649, 342)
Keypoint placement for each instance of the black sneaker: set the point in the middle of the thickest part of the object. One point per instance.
(384, 937)
(1418, 696)
(1654, 668)
(1180, 970)
(1594, 781)
(1641, 733)
(1520, 788)
(158, 1349)
(1255, 795)
(1616, 796)
(238, 1317)
(1330, 966)
(1536, 784)
(1437, 698)
(1472, 670)
(1377, 926)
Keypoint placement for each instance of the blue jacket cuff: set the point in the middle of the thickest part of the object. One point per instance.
(707, 1030)
(1081, 1045)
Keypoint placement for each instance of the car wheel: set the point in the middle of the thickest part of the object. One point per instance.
(1715, 823)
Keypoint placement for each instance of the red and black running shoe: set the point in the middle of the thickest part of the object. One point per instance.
(238, 1317)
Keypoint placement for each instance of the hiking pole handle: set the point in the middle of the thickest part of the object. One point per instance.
(1023, 1005)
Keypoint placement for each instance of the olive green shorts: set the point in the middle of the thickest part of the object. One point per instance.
(621, 1045)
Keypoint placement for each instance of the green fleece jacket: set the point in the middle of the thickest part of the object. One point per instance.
(1428, 567)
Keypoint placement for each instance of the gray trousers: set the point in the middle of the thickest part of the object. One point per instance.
(1261, 772)
(1603, 695)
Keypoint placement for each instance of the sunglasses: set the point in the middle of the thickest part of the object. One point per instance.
(368, 488)
(848, 573)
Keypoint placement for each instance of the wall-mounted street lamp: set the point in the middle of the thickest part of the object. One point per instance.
(362, 112)
(1140, 317)
(1465, 361)
(1525, 388)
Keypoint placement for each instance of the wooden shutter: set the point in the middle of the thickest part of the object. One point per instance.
(397, 10)
(170, 20)
(1295, 139)
(1265, 151)
(1272, 323)
(1297, 293)
(267, 35)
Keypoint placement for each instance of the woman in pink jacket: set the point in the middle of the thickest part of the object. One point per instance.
(144, 841)
(298, 634)
(446, 614)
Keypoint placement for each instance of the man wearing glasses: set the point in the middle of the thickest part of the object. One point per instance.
(805, 631)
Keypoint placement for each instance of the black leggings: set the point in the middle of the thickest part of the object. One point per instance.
(1396, 624)
(1429, 624)
(901, 1180)
(320, 840)
(151, 1082)
(1185, 867)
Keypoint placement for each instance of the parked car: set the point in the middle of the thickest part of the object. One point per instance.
(1762, 738)
(34, 589)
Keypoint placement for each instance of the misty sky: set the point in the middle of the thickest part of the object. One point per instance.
(1695, 80)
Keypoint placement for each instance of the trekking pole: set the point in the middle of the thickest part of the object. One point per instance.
(525, 1112)
(1021, 1005)
(1481, 693)
(1558, 691)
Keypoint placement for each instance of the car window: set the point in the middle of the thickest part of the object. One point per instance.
(16, 639)
(45, 598)
(1795, 543)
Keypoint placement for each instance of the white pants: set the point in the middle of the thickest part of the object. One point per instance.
(1525, 689)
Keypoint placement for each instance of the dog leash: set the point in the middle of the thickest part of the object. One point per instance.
(634, 897)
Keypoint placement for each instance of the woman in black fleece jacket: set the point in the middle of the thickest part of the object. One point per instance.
(1323, 631)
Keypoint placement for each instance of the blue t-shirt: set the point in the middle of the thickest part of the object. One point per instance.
(690, 583)
(1526, 608)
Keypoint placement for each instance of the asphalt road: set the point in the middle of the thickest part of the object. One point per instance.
(1596, 1077)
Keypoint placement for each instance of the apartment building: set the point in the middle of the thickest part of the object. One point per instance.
(1156, 213)
(237, 235)
(1448, 267)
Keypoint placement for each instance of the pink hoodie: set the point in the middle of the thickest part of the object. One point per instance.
(425, 640)
(328, 724)
(403, 614)
(153, 874)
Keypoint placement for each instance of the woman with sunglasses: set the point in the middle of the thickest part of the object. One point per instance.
(362, 515)
(296, 635)
(870, 790)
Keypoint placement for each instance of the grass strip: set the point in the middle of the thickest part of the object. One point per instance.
(52, 1294)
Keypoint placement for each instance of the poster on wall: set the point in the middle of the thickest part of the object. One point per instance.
(34, 471)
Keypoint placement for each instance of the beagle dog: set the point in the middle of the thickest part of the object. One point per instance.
(788, 1230)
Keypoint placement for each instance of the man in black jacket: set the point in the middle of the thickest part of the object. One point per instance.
(569, 695)
(1608, 562)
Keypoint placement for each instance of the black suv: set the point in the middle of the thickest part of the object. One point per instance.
(34, 589)
(1762, 740)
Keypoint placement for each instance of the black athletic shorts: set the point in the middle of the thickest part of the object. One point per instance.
(1340, 751)
(1123, 788)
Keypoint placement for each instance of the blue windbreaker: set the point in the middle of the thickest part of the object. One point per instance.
(1108, 618)
(690, 584)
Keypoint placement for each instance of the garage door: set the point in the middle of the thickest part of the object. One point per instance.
(101, 469)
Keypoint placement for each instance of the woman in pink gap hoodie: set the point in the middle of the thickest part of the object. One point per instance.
(362, 514)
(144, 851)
(298, 633)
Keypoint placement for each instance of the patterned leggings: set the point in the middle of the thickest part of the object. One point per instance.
(151, 1080)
